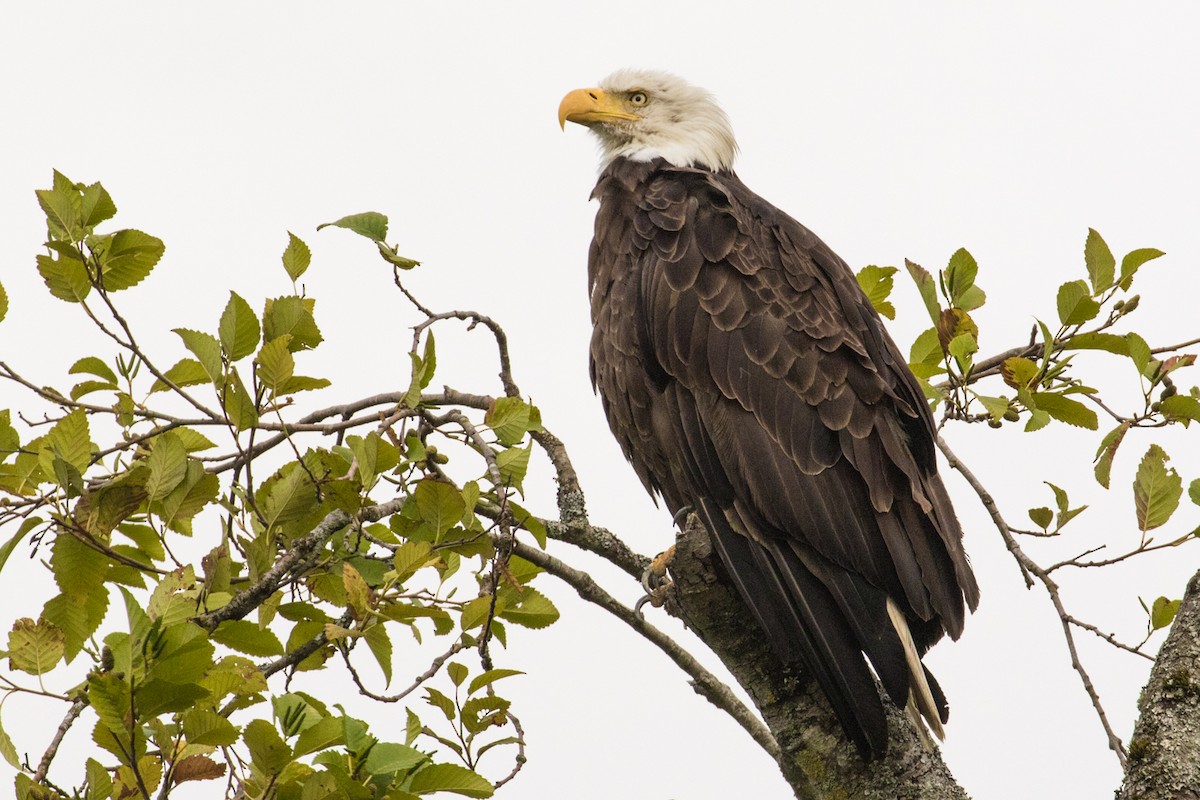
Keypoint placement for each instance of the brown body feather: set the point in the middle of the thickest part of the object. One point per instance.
(745, 375)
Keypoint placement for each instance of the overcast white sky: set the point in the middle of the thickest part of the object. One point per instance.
(893, 130)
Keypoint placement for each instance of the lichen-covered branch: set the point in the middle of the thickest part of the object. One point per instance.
(815, 757)
(1164, 753)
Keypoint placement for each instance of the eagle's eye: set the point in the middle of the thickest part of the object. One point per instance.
(638, 98)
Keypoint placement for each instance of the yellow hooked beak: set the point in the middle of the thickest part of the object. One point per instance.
(589, 106)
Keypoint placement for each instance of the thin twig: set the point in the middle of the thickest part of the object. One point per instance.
(704, 682)
(72, 714)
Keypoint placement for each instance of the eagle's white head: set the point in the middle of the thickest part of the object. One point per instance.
(645, 114)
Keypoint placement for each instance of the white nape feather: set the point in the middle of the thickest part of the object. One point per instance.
(680, 123)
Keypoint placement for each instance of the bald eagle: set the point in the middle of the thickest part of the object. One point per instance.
(746, 376)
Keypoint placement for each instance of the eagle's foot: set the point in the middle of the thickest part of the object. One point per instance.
(655, 581)
(680, 520)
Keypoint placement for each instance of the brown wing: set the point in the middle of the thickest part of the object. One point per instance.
(746, 375)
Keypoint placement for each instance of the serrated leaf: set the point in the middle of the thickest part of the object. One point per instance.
(1133, 260)
(960, 279)
(239, 406)
(301, 383)
(206, 349)
(65, 277)
(876, 283)
(91, 365)
(996, 407)
(927, 287)
(440, 701)
(185, 372)
(440, 504)
(380, 645)
(955, 322)
(358, 594)
(411, 556)
(1064, 409)
(450, 778)
(1075, 303)
(534, 610)
(268, 751)
(423, 368)
(1181, 407)
(513, 464)
(70, 439)
(489, 677)
(926, 349)
(326, 733)
(1156, 489)
(388, 757)
(275, 363)
(1163, 611)
(128, 258)
(96, 205)
(196, 491)
(510, 418)
(1139, 352)
(167, 463)
(1038, 419)
(63, 207)
(246, 637)
(370, 224)
(196, 768)
(239, 330)
(1193, 493)
(1095, 340)
(296, 257)
(292, 316)
(1101, 265)
(34, 647)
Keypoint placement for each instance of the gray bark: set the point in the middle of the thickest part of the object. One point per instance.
(1164, 753)
(816, 758)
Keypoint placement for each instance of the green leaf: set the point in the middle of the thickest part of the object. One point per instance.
(533, 610)
(1095, 340)
(63, 207)
(268, 751)
(457, 673)
(296, 257)
(1101, 266)
(239, 328)
(239, 406)
(1139, 352)
(1038, 419)
(326, 733)
(1163, 611)
(423, 368)
(168, 465)
(1133, 260)
(1075, 303)
(207, 350)
(8, 547)
(513, 464)
(491, 676)
(927, 287)
(450, 778)
(66, 277)
(126, 258)
(411, 556)
(960, 281)
(1193, 493)
(388, 757)
(246, 637)
(876, 283)
(1181, 407)
(1064, 409)
(370, 224)
(440, 504)
(110, 697)
(202, 726)
(3, 313)
(96, 206)
(291, 315)
(381, 647)
(1156, 489)
(510, 418)
(996, 407)
(93, 366)
(275, 364)
(186, 372)
(196, 491)
(71, 440)
(1108, 449)
(34, 647)
(8, 751)
(287, 498)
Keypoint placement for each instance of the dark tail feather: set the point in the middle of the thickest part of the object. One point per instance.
(802, 619)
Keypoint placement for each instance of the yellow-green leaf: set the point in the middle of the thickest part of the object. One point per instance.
(1075, 303)
(34, 647)
(239, 329)
(1101, 266)
(296, 256)
(1156, 489)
